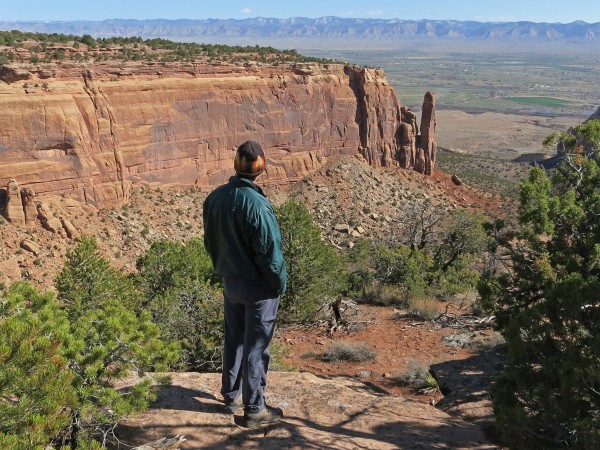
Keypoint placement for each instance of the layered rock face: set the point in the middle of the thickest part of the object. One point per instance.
(91, 133)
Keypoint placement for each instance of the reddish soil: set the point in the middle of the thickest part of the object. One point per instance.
(396, 340)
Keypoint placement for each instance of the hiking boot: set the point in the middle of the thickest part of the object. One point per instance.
(267, 415)
(234, 405)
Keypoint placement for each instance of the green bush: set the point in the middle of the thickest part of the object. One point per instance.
(183, 294)
(547, 303)
(106, 339)
(360, 269)
(406, 268)
(88, 280)
(442, 268)
(59, 361)
(316, 273)
(454, 258)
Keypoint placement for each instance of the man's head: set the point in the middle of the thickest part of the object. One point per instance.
(249, 160)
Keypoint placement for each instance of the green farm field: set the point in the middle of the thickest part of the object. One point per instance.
(489, 78)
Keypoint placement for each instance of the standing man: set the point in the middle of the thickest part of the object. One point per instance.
(242, 236)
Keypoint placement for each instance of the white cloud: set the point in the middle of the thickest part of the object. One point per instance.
(375, 12)
(347, 13)
(246, 10)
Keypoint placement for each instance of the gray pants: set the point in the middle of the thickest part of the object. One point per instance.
(250, 313)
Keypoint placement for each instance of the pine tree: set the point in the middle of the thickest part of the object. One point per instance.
(36, 390)
(107, 341)
(88, 280)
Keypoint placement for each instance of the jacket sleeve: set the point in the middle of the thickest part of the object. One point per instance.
(266, 244)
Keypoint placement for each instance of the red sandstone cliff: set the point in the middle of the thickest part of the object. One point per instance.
(92, 132)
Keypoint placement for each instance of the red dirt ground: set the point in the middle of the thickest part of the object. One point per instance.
(396, 341)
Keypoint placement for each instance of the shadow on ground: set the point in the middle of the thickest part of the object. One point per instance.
(336, 413)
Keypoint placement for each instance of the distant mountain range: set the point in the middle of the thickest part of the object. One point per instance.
(323, 27)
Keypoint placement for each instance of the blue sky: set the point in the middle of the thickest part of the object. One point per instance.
(480, 10)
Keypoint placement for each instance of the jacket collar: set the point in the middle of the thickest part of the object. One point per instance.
(244, 182)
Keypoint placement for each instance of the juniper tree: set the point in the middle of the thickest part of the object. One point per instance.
(545, 292)
(316, 274)
(182, 292)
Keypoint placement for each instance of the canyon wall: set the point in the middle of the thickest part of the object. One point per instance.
(92, 132)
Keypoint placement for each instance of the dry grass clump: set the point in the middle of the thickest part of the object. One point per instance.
(381, 294)
(417, 376)
(426, 308)
(342, 351)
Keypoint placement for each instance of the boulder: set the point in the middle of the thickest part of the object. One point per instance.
(342, 228)
(30, 246)
(10, 270)
(457, 181)
(49, 222)
(69, 228)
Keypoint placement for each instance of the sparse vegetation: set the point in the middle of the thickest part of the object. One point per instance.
(56, 47)
(425, 308)
(487, 173)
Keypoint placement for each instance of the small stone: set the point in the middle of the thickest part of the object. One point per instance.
(342, 228)
(360, 229)
(457, 181)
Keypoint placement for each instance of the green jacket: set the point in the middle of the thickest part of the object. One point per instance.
(241, 234)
